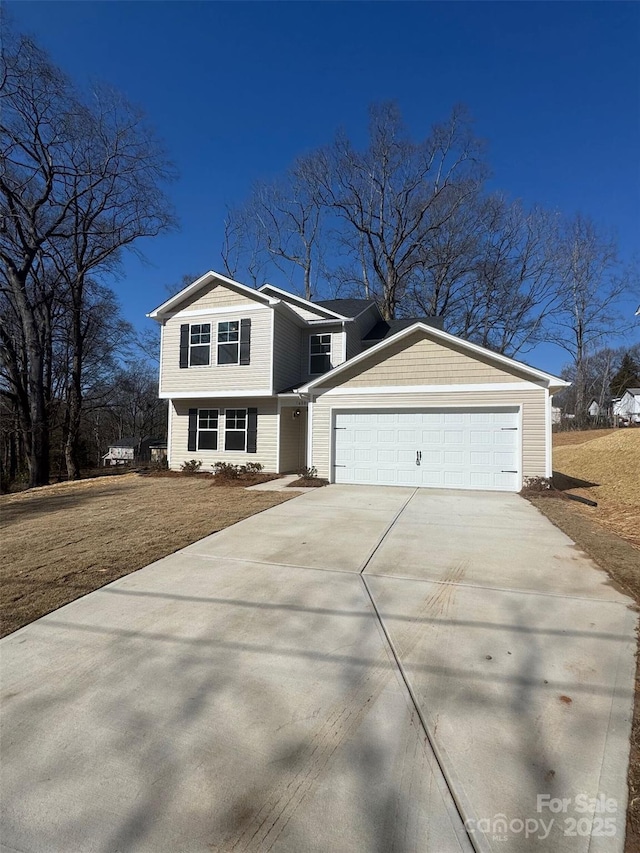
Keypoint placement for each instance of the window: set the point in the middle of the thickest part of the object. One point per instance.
(207, 429)
(199, 344)
(319, 354)
(229, 342)
(235, 429)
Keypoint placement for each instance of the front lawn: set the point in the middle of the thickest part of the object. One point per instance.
(60, 542)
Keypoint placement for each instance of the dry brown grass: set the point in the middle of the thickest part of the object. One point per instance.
(60, 542)
(579, 436)
(610, 533)
(611, 464)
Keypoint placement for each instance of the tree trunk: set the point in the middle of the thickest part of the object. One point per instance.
(37, 441)
(74, 402)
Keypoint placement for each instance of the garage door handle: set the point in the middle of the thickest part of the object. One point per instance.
(509, 472)
(418, 457)
(506, 429)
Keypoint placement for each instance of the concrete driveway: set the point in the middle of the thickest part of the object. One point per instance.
(359, 669)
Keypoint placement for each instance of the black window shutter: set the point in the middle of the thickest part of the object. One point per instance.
(184, 345)
(252, 430)
(193, 428)
(245, 342)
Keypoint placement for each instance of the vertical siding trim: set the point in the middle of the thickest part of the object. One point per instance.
(161, 351)
(273, 358)
(309, 459)
(548, 434)
(169, 424)
(278, 419)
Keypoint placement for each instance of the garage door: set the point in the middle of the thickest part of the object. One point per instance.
(441, 448)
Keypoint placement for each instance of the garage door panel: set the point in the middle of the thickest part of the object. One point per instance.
(453, 436)
(457, 448)
(481, 436)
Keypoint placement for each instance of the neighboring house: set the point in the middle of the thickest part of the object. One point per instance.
(594, 409)
(556, 415)
(127, 450)
(266, 376)
(628, 406)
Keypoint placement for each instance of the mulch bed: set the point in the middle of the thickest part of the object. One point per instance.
(307, 483)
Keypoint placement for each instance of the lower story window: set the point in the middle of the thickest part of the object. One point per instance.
(235, 429)
(207, 429)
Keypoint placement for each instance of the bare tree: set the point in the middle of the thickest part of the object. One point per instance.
(79, 181)
(279, 225)
(391, 197)
(592, 280)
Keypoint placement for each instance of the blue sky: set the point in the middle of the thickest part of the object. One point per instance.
(237, 90)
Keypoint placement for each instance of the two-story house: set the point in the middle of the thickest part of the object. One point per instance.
(266, 376)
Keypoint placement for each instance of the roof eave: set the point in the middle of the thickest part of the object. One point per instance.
(550, 380)
(166, 307)
(301, 301)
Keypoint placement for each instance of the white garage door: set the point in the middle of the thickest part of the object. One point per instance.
(441, 448)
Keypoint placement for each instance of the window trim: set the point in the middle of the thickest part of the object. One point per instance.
(208, 364)
(237, 343)
(246, 429)
(216, 430)
(329, 354)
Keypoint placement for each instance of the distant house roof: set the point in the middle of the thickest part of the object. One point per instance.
(346, 307)
(634, 391)
(130, 441)
(385, 328)
(127, 441)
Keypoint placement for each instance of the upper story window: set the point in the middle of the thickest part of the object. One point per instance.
(319, 354)
(229, 342)
(232, 339)
(199, 344)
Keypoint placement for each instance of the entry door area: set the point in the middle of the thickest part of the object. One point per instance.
(441, 448)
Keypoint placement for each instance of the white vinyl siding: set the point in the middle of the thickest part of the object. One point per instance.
(417, 360)
(287, 343)
(213, 378)
(215, 296)
(266, 449)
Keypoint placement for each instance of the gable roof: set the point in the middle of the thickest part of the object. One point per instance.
(633, 391)
(205, 280)
(316, 307)
(552, 382)
(347, 307)
(386, 328)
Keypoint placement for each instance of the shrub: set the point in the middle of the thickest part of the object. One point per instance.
(226, 471)
(537, 484)
(191, 467)
(308, 473)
